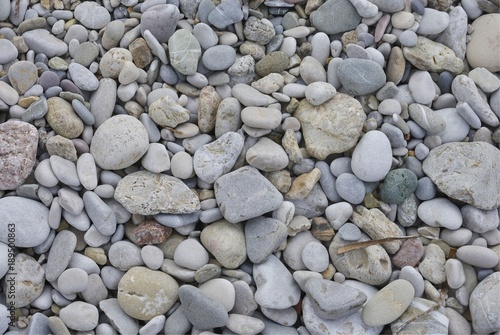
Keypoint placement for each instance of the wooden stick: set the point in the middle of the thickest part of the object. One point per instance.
(359, 245)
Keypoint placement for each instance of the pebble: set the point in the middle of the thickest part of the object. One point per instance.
(202, 311)
(412, 275)
(409, 254)
(478, 49)
(121, 321)
(144, 293)
(435, 321)
(477, 256)
(389, 303)
(428, 55)
(315, 257)
(398, 185)
(28, 279)
(484, 305)
(350, 188)
(432, 266)
(190, 254)
(335, 17)
(63, 119)
(226, 242)
(373, 144)
(151, 18)
(262, 237)
(267, 155)
(361, 76)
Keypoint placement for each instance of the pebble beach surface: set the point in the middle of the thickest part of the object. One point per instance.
(249, 167)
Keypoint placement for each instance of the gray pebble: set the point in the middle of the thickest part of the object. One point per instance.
(60, 254)
(350, 188)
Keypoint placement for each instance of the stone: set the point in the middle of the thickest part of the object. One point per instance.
(219, 57)
(190, 254)
(409, 254)
(428, 55)
(398, 185)
(274, 62)
(119, 142)
(261, 117)
(433, 22)
(92, 15)
(376, 225)
(112, 61)
(470, 164)
(103, 101)
(10, 51)
(432, 266)
(483, 45)
(217, 158)
(319, 92)
(375, 264)
(72, 281)
(389, 303)
(455, 35)
(226, 14)
(202, 311)
(428, 119)
(42, 41)
(478, 256)
(276, 287)
(63, 119)
(332, 300)
(361, 76)
(234, 195)
(484, 305)
(61, 146)
(147, 193)
(311, 70)
(267, 155)
(100, 213)
(262, 237)
(28, 280)
(335, 16)
(226, 242)
(82, 77)
(27, 219)
(207, 108)
(326, 133)
(144, 293)
(255, 30)
(161, 21)
(372, 157)
(80, 316)
(435, 321)
(121, 321)
(167, 113)
(244, 324)
(18, 146)
(350, 188)
(184, 51)
(151, 232)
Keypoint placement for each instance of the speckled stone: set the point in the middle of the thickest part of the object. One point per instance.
(18, 146)
(398, 185)
(22, 75)
(63, 119)
(276, 61)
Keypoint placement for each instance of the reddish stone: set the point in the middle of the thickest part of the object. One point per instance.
(409, 254)
(151, 232)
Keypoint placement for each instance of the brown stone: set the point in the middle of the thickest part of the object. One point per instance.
(322, 229)
(141, 54)
(18, 146)
(63, 119)
(151, 232)
(207, 108)
(409, 254)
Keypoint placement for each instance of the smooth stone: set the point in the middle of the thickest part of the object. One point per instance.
(9, 95)
(22, 76)
(161, 21)
(262, 237)
(92, 15)
(144, 294)
(455, 35)
(389, 303)
(205, 35)
(72, 281)
(409, 254)
(455, 275)
(266, 155)
(27, 277)
(332, 300)
(375, 263)
(433, 22)
(421, 87)
(483, 46)
(335, 17)
(60, 254)
(315, 257)
(432, 266)
(319, 92)
(484, 79)
(261, 117)
(234, 190)
(361, 76)
(457, 159)
(43, 42)
(202, 311)
(456, 238)
(28, 218)
(427, 118)
(226, 14)
(275, 285)
(412, 275)
(484, 305)
(63, 119)
(311, 70)
(18, 146)
(478, 256)
(119, 142)
(167, 113)
(219, 57)
(112, 62)
(428, 55)
(100, 213)
(350, 188)
(124, 255)
(440, 212)
(251, 97)
(190, 254)
(184, 51)
(398, 185)
(102, 101)
(326, 133)
(147, 193)
(226, 242)
(244, 324)
(434, 322)
(156, 159)
(221, 290)
(10, 51)
(82, 77)
(121, 321)
(153, 326)
(479, 221)
(372, 157)
(217, 158)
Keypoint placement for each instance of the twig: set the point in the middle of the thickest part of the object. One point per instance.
(359, 245)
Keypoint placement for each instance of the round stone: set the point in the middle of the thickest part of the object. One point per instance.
(80, 316)
(161, 21)
(350, 188)
(9, 51)
(398, 185)
(112, 62)
(219, 57)
(274, 62)
(22, 75)
(119, 142)
(144, 293)
(92, 15)
(440, 212)
(372, 157)
(315, 257)
(361, 76)
(190, 254)
(484, 45)
(484, 305)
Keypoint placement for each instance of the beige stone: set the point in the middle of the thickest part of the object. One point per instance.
(62, 118)
(484, 45)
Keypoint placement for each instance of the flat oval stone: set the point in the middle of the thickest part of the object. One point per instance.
(476, 255)
(148, 193)
(335, 17)
(483, 46)
(119, 142)
(440, 212)
(144, 293)
(389, 303)
(261, 117)
(18, 146)
(196, 304)
(219, 57)
(92, 15)
(267, 155)
(161, 21)
(60, 254)
(361, 76)
(184, 51)
(190, 254)
(80, 316)
(9, 51)
(27, 219)
(372, 157)
(42, 41)
(82, 77)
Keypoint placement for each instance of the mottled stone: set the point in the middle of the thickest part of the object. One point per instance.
(255, 30)
(184, 51)
(27, 278)
(434, 322)
(327, 132)
(409, 254)
(428, 55)
(62, 118)
(148, 193)
(151, 232)
(335, 16)
(275, 62)
(168, 113)
(207, 108)
(18, 146)
(463, 172)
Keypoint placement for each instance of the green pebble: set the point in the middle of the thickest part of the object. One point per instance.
(398, 185)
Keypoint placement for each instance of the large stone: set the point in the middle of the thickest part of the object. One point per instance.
(144, 293)
(361, 76)
(18, 145)
(26, 278)
(434, 322)
(372, 157)
(245, 194)
(333, 127)
(335, 16)
(161, 21)
(485, 305)
(184, 51)
(148, 193)
(119, 142)
(484, 45)
(428, 55)
(463, 171)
